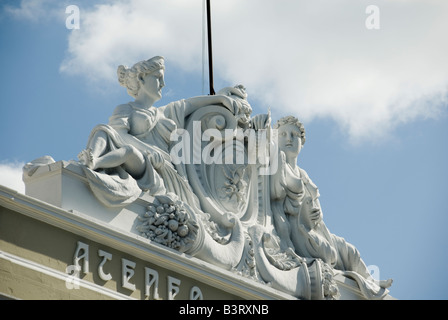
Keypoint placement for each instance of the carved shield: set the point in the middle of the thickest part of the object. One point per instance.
(218, 171)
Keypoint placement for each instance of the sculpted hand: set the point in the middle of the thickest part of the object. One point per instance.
(316, 216)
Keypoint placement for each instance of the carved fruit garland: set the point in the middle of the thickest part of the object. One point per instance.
(167, 222)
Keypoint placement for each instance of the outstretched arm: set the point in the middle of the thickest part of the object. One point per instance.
(198, 102)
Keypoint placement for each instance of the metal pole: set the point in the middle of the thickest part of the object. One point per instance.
(210, 58)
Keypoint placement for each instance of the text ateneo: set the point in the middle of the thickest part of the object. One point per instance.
(128, 269)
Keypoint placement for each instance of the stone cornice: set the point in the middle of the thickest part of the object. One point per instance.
(140, 247)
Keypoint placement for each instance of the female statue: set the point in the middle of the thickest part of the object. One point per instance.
(131, 153)
(298, 215)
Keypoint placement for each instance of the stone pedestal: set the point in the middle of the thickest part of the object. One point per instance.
(64, 185)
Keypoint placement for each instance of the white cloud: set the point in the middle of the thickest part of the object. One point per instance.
(37, 10)
(124, 32)
(11, 176)
(28, 9)
(309, 58)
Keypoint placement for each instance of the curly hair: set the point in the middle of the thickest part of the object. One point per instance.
(130, 77)
(294, 121)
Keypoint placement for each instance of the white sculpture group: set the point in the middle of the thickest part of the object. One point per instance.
(259, 216)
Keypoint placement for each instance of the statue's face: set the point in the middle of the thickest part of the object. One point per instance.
(289, 139)
(152, 84)
(310, 211)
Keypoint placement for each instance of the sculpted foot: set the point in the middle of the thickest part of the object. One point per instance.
(386, 283)
(86, 158)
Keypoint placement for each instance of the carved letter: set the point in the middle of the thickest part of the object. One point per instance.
(85, 255)
(106, 256)
(173, 287)
(151, 278)
(196, 294)
(127, 273)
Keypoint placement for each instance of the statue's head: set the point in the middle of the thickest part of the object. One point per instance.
(310, 211)
(145, 77)
(291, 135)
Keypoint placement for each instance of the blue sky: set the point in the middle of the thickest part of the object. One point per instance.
(374, 102)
